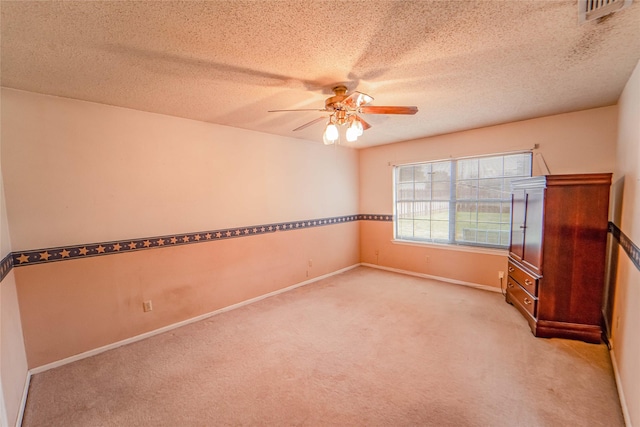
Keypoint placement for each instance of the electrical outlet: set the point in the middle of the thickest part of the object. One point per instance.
(147, 306)
(500, 274)
(310, 263)
(427, 259)
(377, 252)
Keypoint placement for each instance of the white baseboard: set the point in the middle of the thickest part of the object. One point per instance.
(23, 401)
(616, 373)
(108, 347)
(429, 276)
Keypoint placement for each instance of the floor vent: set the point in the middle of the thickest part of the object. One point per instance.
(588, 10)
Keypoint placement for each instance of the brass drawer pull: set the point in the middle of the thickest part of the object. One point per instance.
(511, 270)
(509, 284)
(527, 282)
(527, 301)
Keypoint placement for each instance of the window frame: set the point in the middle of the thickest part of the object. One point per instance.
(453, 201)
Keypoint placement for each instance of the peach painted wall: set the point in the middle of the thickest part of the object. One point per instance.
(79, 305)
(78, 172)
(4, 421)
(579, 142)
(98, 173)
(626, 312)
(470, 267)
(13, 360)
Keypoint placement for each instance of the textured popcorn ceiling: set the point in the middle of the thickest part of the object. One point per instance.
(465, 64)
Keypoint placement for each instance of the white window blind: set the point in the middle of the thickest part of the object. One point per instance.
(462, 201)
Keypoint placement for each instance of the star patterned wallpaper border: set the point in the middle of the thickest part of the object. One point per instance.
(6, 265)
(63, 253)
(629, 247)
(39, 256)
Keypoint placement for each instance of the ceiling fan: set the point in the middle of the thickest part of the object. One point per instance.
(344, 110)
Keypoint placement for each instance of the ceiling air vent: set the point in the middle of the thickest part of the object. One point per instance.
(588, 10)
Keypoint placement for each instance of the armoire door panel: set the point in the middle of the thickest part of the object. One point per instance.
(532, 253)
(518, 211)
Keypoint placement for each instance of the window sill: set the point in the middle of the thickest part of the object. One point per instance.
(458, 248)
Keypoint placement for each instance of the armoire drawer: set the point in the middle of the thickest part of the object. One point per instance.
(526, 280)
(521, 297)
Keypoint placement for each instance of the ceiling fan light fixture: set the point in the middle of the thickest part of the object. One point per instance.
(331, 132)
(356, 125)
(352, 134)
(344, 110)
(327, 141)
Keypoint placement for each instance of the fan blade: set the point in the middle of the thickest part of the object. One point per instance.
(388, 110)
(365, 125)
(312, 122)
(356, 99)
(298, 109)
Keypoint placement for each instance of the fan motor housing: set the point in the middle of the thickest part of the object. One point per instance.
(333, 103)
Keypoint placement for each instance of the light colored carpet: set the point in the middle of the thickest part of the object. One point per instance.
(366, 347)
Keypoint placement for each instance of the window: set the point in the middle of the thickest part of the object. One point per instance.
(463, 201)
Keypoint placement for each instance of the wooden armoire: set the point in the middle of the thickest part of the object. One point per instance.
(557, 253)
